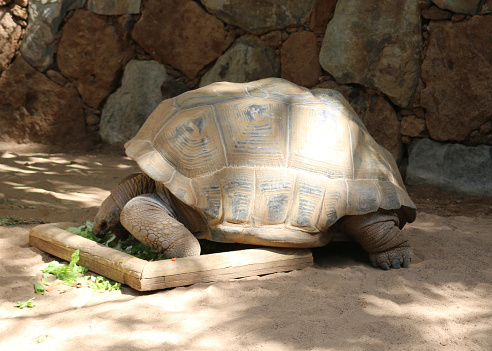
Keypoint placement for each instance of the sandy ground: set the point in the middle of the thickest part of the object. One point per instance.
(443, 302)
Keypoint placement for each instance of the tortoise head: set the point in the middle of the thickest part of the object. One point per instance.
(107, 218)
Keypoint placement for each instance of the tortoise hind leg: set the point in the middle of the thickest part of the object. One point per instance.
(379, 235)
(150, 221)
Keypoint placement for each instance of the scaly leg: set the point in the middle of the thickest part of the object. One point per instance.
(150, 221)
(379, 235)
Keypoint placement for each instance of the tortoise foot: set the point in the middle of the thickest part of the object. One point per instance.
(380, 236)
(396, 258)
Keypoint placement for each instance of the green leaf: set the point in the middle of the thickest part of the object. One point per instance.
(39, 288)
(28, 303)
(68, 273)
(131, 245)
(101, 284)
(73, 275)
(74, 259)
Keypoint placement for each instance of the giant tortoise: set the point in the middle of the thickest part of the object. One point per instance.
(263, 163)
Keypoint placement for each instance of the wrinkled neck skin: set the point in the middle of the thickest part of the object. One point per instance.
(131, 186)
(108, 215)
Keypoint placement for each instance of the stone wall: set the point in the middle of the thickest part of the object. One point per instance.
(85, 70)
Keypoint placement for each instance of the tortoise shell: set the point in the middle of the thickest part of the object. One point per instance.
(268, 157)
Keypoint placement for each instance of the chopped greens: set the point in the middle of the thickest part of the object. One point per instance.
(39, 288)
(28, 303)
(101, 284)
(114, 240)
(74, 275)
(68, 273)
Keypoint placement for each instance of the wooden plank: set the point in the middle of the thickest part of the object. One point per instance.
(225, 265)
(225, 273)
(144, 275)
(111, 263)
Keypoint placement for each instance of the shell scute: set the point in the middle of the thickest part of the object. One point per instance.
(252, 133)
(238, 186)
(209, 198)
(192, 143)
(274, 190)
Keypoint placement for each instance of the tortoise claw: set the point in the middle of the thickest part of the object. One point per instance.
(396, 258)
(406, 262)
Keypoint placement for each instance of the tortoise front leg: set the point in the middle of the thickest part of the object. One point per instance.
(151, 221)
(379, 235)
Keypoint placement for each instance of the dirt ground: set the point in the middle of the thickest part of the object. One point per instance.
(442, 302)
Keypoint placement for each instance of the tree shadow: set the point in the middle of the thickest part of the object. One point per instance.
(57, 186)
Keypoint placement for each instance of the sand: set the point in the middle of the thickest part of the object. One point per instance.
(442, 302)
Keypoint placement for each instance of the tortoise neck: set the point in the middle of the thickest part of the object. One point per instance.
(132, 186)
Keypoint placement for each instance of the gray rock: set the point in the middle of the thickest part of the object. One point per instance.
(451, 167)
(114, 7)
(45, 17)
(247, 60)
(261, 16)
(461, 6)
(376, 44)
(127, 109)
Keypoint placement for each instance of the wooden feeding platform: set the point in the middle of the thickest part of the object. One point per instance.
(145, 275)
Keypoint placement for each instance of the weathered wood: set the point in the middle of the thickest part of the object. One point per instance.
(226, 273)
(111, 263)
(144, 275)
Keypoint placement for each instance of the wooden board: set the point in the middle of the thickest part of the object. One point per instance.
(153, 275)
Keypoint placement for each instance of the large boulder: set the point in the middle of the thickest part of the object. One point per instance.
(34, 108)
(127, 109)
(451, 167)
(457, 72)
(44, 19)
(181, 34)
(300, 59)
(10, 34)
(247, 60)
(261, 16)
(92, 64)
(375, 43)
